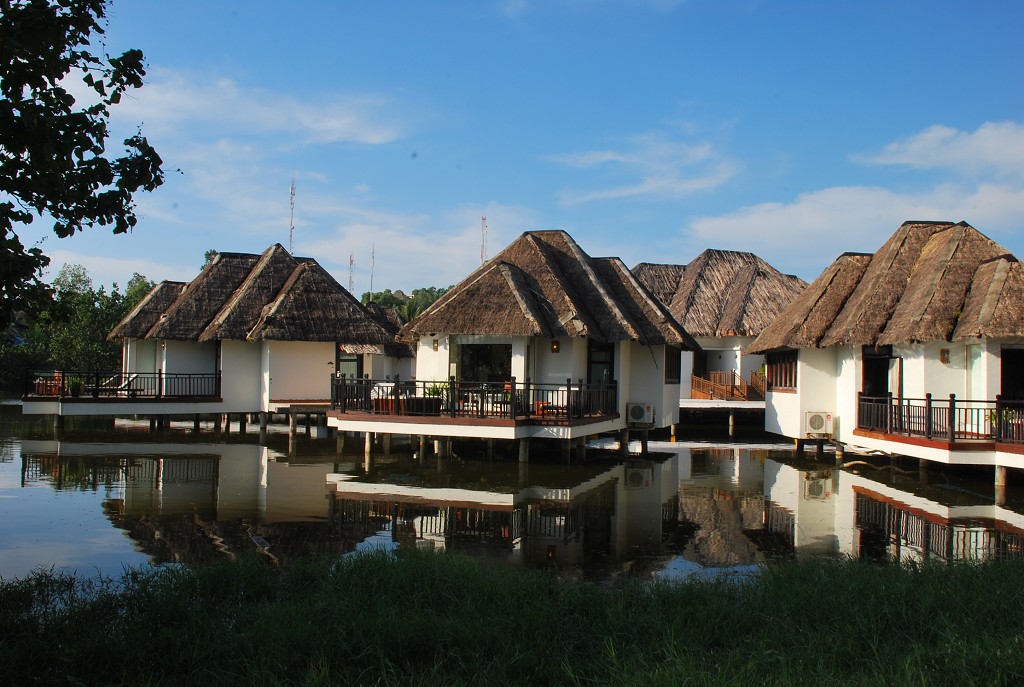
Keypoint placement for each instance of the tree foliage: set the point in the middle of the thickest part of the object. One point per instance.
(408, 306)
(53, 157)
(70, 332)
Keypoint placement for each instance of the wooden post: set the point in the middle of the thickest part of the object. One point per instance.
(1000, 485)
(951, 419)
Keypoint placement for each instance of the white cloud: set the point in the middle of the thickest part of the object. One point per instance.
(657, 166)
(412, 251)
(172, 100)
(805, 235)
(981, 184)
(995, 147)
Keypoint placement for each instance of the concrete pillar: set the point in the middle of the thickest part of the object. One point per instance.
(566, 450)
(490, 449)
(624, 442)
(227, 423)
(524, 450)
(58, 423)
(732, 423)
(152, 423)
(242, 418)
(1000, 485)
(387, 444)
(423, 446)
(644, 436)
(195, 423)
(672, 431)
(293, 423)
(581, 449)
(264, 416)
(437, 446)
(524, 472)
(308, 426)
(218, 419)
(340, 444)
(162, 423)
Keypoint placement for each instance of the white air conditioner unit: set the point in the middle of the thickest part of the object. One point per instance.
(640, 413)
(639, 477)
(817, 422)
(818, 489)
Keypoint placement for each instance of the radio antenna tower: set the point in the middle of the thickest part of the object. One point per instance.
(483, 239)
(373, 263)
(291, 219)
(351, 265)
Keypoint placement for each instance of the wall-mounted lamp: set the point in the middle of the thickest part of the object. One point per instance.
(944, 356)
(434, 344)
(555, 346)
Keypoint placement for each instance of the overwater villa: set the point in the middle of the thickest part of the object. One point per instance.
(541, 341)
(724, 299)
(251, 334)
(916, 349)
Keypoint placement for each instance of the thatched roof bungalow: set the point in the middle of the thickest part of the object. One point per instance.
(544, 310)
(274, 326)
(937, 310)
(724, 299)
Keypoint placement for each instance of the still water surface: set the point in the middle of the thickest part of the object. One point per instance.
(103, 497)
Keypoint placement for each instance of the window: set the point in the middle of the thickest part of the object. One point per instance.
(781, 370)
(673, 364)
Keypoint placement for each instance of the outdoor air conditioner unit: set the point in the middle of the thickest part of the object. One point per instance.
(640, 413)
(817, 422)
(818, 489)
(638, 477)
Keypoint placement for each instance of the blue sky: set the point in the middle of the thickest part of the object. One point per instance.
(648, 129)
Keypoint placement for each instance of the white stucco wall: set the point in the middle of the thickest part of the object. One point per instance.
(241, 377)
(188, 356)
(646, 382)
(299, 370)
(432, 365)
(139, 355)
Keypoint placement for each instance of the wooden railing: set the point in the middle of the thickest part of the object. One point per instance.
(459, 398)
(145, 385)
(727, 386)
(950, 420)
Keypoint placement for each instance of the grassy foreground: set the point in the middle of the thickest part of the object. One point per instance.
(422, 618)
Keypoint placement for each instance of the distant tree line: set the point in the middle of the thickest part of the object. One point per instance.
(408, 306)
(68, 328)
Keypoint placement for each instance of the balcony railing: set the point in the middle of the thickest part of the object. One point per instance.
(951, 420)
(128, 385)
(467, 399)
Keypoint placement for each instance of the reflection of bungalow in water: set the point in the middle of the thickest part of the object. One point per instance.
(617, 512)
(540, 341)
(724, 299)
(917, 349)
(197, 502)
(252, 333)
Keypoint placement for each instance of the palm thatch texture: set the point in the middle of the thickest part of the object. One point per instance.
(721, 292)
(931, 281)
(543, 284)
(248, 297)
(147, 311)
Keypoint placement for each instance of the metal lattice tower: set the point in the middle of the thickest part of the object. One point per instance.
(483, 239)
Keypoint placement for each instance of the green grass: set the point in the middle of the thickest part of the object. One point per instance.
(422, 618)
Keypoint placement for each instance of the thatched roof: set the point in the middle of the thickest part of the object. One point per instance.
(543, 284)
(147, 311)
(722, 292)
(261, 286)
(931, 281)
(243, 296)
(313, 306)
(203, 298)
(391, 320)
